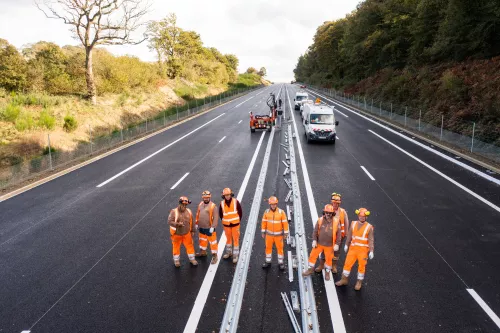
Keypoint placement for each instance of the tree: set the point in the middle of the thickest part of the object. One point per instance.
(163, 39)
(251, 70)
(12, 67)
(97, 22)
(262, 72)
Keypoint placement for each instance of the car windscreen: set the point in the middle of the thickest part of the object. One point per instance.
(323, 119)
(300, 98)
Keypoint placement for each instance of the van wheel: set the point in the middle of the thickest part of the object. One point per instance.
(333, 142)
(308, 139)
(252, 130)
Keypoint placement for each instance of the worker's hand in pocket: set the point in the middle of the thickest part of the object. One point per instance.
(263, 235)
(211, 230)
(370, 255)
(315, 244)
(336, 248)
(345, 248)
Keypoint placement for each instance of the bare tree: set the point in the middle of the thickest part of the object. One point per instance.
(98, 22)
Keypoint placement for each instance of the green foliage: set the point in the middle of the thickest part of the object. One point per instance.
(46, 120)
(70, 123)
(262, 72)
(247, 80)
(251, 70)
(454, 85)
(24, 122)
(11, 112)
(12, 67)
(188, 92)
(52, 150)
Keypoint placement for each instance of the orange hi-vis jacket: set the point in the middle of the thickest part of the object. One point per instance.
(230, 216)
(344, 222)
(360, 237)
(274, 223)
(181, 230)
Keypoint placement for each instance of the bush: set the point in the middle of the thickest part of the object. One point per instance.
(24, 122)
(11, 112)
(46, 120)
(70, 123)
(52, 150)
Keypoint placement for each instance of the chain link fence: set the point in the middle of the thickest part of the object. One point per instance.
(466, 136)
(56, 159)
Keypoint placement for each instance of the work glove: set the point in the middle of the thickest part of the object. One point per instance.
(315, 244)
(196, 227)
(370, 255)
(335, 248)
(212, 230)
(345, 248)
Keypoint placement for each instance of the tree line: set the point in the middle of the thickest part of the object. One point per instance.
(400, 34)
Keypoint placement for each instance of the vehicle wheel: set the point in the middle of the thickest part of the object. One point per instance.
(333, 142)
(252, 130)
(308, 139)
(269, 129)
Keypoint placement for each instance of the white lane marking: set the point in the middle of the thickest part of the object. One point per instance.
(485, 307)
(477, 196)
(337, 137)
(157, 152)
(222, 139)
(366, 171)
(179, 181)
(331, 293)
(201, 298)
(239, 122)
(342, 113)
(246, 100)
(446, 157)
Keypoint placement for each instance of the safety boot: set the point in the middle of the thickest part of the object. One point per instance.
(235, 259)
(321, 266)
(266, 264)
(334, 266)
(202, 253)
(193, 262)
(327, 274)
(282, 266)
(309, 271)
(177, 263)
(214, 259)
(344, 281)
(358, 285)
(228, 254)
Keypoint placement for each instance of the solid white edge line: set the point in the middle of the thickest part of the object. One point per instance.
(201, 298)
(222, 139)
(485, 307)
(342, 113)
(331, 292)
(179, 181)
(366, 171)
(157, 152)
(477, 196)
(463, 165)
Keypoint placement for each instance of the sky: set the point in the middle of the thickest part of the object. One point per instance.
(261, 33)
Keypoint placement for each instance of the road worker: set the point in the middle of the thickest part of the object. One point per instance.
(361, 240)
(274, 227)
(341, 215)
(182, 231)
(231, 213)
(207, 217)
(326, 239)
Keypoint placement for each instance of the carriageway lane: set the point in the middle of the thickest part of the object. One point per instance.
(62, 250)
(405, 264)
(49, 198)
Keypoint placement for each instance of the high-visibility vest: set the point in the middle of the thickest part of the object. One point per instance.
(342, 222)
(360, 237)
(230, 215)
(274, 223)
(176, 212)
(335, 227)
(210, 212)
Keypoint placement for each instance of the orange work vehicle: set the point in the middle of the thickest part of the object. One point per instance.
(264, 121)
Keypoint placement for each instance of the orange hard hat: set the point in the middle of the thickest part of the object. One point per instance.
(184, 200)
(227, 191)
(337, 197)
(273, 200)
(328, 209)
(362, 212)
(206, 194)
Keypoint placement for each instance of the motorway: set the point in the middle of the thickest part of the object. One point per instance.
(91, 252)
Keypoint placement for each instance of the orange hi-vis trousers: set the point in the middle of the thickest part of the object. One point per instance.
(204, 240)
(328, 252)
(274, 240)
(187, 240)
(233, 239)
(361, 255)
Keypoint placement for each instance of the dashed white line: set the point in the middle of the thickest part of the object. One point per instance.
(222, 139)
(336, 137)
(246, 100)
(157, 152)
(485, 307)
(341, 113)
(239, 122)
(477, 196)
(366, 171)
(179, 181)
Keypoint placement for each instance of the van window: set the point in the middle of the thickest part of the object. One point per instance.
(323, 119)
(300, 98)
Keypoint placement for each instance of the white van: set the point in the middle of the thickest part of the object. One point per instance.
(300, 98)
(319, 122)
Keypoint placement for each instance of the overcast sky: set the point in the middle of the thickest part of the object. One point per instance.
(260, 33)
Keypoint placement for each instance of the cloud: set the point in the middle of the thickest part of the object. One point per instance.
(260, 33)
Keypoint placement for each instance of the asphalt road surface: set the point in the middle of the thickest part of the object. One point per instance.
(84, 254)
